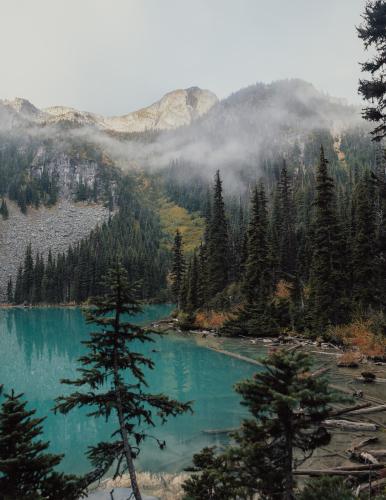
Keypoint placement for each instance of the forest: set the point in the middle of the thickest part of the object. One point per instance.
(293, 246)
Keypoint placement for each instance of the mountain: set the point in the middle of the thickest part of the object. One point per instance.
(175, 109)
(249, 128)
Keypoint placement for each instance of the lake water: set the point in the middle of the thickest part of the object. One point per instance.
(38, 347)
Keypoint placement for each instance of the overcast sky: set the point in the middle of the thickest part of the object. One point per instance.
(115, 56)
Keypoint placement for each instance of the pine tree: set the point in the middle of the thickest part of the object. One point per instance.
(18, 296)
(327, 301)
(193, 298)
(287, 408)
(26, 470)
(255, 316)
(28, 274)
(365, 293)
(178, 268)
(287, 239)
(4, 209)
(109, 357)
(217, 246)
(373, 34)
(10, 296)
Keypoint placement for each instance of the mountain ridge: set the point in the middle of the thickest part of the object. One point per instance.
(175, 109)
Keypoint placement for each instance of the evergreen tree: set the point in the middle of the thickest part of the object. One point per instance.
(193, 297)
(26, 470)
(28, 275)
(365, 293)
(255, 316)
(109, 357)
(4, 209)
(217, 246)
(287, 239)
(10, 296)
(178, 268)
(373, 34)
(327, 303)
(287, 407)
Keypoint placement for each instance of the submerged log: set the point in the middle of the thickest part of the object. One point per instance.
(350, 426)
(213, 432)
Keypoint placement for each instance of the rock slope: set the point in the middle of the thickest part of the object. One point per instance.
(45, 228)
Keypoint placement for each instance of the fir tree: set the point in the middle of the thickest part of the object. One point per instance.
(217, 246)
(178, 268)
(373, 34)
(4, 209)
(10, 296)
(287, 408)
(28, 275)
(365, 292)
(255, 316)
(327, 276)
(26, 470)
(193, 297)
(287, 239)
(110, 355)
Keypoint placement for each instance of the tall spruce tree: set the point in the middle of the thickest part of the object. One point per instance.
(26, 469)
(327, 304)
(255, 315)
(287, 237)
(217, 246)
(113, 371)
(373, 34)
(287, 407)
(365, 293)
(178, 268)
(10, 296)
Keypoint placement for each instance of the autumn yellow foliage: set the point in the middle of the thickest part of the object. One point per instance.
(283, 290)
(174, 217)
(359, 335)
(210, 319)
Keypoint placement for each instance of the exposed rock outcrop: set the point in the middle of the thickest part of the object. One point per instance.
(45, 228)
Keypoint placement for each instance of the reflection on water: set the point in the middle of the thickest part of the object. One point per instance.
(38, 347)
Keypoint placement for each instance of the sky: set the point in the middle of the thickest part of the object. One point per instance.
(115, 56)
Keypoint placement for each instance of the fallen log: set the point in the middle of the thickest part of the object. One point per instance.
(349, 409)
(369, 409)
(320, 371)
(368, 467)
(378, 453)
(350, 426)
(332, 472)
(370, 381)
(364, 457)
(364, 443)
(375, 485)
(214, 432)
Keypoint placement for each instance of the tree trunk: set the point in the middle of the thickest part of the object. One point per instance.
(288, 480)
(119, 408)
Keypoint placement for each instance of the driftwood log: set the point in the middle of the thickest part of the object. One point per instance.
(375, 485)
(364, 457)
(347, 425)
(368, 410)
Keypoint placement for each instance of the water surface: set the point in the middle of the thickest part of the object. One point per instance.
(38, 347)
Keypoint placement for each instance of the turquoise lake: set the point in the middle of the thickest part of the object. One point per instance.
(38, 347)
